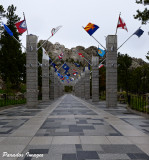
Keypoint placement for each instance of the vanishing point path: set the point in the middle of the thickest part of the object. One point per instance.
(70, 128)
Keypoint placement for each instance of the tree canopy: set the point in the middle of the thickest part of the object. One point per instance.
(143, 16)
(11, 58)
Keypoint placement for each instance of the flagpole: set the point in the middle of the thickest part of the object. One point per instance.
(85, 59)
(124, 42)
(60, 66)
(53, 61)
(117, 23)
(25, 22)
(96, 40)
(102, 61)
(18, 42)
(127, 39)
(46, 40)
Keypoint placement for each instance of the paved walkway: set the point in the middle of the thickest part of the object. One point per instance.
(73, 129)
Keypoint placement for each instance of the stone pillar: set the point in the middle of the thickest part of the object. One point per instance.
(52, 83)
(79, 87)
(31, 71)
(87, 83)
(55, 86)
(82, 85)
(95, 79)
(45, 80)
(111, 71)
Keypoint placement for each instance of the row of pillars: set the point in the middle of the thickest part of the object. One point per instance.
(52, 91)
(82, 85)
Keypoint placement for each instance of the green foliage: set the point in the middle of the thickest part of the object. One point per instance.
(143, 16)
(11, 58)
(22, 88)
(147, 56)
(139, 103)
(68, 88)
(124, 74)
(2, 91)
(134, 80)
(11, 102)
(102, 79)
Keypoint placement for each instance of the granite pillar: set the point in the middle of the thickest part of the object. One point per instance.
(31, 71)
(87, 83)
(45, 80)
(95, 79)
(111, 71)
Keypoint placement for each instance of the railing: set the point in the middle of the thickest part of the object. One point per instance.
(11, 100)
(139, 103)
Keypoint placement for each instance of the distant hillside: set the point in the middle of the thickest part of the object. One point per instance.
(70, 55)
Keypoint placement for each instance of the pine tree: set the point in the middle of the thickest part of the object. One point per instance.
(11, 58)
(143, 16)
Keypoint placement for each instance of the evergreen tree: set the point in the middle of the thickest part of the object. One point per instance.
(143, 16)
(11, 58)
(124, 73)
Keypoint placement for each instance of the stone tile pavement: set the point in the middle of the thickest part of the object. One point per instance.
(73, 129)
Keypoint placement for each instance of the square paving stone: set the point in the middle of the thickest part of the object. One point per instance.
(121, 149)
(83, 155)
(69, 157)
(38, 151)
(138, 156)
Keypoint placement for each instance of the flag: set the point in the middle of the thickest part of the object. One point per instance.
(75, 73)
(60, 56)
(101, 52)
(139, 32)
(7, 30)
(44, 54)
(58, 74)
(121, 24)
(67, 73)
(66, 77)
(77, 65)
(91, 28)
(54, 30)
(54, 66)
(80, 54)
(72, 79)
(100, 66)
(89, 66)
(66, 67)
(21, 26)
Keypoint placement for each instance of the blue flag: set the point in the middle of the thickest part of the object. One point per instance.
(101, 52)
(89, 67)
(77, 65)
(58, 74)
(66, 77)
(66, 67)
(53, 64)
(67, 73)
(8, 30)
(139, 32)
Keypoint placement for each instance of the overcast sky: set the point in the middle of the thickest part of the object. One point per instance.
(43, 15)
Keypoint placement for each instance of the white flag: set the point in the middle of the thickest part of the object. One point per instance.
(54, 30)
(45, 54)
